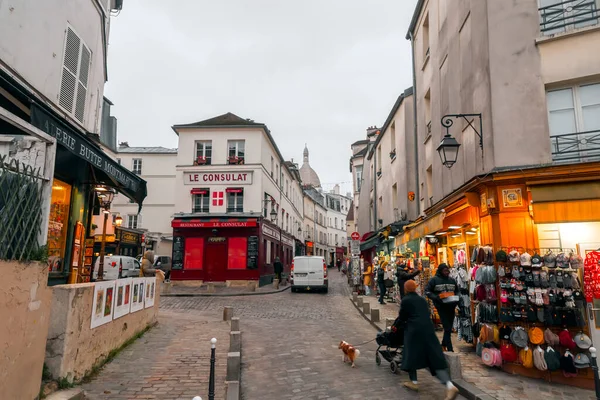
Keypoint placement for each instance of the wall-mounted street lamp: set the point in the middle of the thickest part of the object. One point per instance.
(448, 148)
(105, 197)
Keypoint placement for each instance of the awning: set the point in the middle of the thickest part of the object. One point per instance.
(425, 227)
(565, 192)
(107, 170)
(571, 202)
(370, 243)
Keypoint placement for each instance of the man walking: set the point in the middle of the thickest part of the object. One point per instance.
(278, 268)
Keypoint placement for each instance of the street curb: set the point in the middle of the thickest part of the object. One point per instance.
(465, 388)
(224, 294)
(68, 394)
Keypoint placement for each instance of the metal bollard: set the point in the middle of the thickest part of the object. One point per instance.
(197, 398)
(211, 380)
(595, 369)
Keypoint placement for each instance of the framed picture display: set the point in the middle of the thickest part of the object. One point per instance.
(137, 294)
(123, 295)
(512, 198)
(150, 291)
(103, 303)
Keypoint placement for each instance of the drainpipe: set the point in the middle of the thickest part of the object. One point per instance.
(375, 187)
(415, 126)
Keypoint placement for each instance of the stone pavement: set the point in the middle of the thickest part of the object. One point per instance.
(171, 290)
(290, 345)
(492, 381)
(170, 362)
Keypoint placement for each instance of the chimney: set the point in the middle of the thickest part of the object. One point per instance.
(336, 189)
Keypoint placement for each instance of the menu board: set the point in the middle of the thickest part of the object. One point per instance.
(178, 248)
(252, 253)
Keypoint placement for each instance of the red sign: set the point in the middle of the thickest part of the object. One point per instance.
(213, 224)
(199, 191)
(355, 236)
(234, 190)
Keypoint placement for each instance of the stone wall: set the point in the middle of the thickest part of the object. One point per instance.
(25, 313)
(73, 348)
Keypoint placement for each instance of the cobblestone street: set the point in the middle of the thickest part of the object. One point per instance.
(290, 347)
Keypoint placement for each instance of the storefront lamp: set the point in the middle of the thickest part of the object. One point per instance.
(448, 148)
(118, 220)
(273, 214)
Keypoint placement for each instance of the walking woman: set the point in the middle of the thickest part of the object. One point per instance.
(441, 290)
(421, 346)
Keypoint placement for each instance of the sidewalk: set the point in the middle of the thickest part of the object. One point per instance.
(176, 290)
(492, 381)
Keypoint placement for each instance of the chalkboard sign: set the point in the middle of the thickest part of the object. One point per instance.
(252, 253)
(178, 249)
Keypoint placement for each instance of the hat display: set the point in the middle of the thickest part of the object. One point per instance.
(562, 261)
(538, 359)
(505, 332)
(536, 335)
(551, 338)
(526, 357)
(576, 261)
(582, 341)
(508, 353)
(552, 359)
(525, 259)
(519, 337)
(550, 260)
(536, 261)
(514, 256)
(582, 361)
(565, 340)
(501, 256)
(567, 364)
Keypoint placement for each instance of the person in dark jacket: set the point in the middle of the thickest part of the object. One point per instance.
(278, 268)
(441, 289)
(403, 275)
(421, 346)
(339, 264)
(381, 281)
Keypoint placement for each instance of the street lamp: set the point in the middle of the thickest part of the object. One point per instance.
(448, 148)
(118, 220)
(105, 198)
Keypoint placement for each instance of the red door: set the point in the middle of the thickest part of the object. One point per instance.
(215, 261)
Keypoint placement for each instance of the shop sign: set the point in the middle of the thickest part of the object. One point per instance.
(213, 224)
(108, 239)
(217, 239)
(78, 145)
(178, 247)
(128, 237)
(252, 252)
(218, 178)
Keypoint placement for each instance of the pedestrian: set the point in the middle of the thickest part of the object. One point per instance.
(368, 278)
(147, 268)
(421, 346)
(403, 275)
(339, 264)
(441, 290)
(278, 268)
(381, 281)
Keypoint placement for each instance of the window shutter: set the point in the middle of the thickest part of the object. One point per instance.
(70, 67)
(84, 70)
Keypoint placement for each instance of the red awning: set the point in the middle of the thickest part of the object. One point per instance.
(199, 191)
(234, 190)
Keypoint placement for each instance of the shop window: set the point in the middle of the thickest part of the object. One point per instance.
(236, 152)
(194, 253)
(235, 200)
(77, 60)
(236, 253)
(58, 224)
(203, 153)
(137, 166)
(272, 253)
(267, 251)
(201, 200)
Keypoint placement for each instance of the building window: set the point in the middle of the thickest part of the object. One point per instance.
(235, 152)
(201, 200)
(574, 121)
(235, 200)
(137, 166)
(359, 170)
(133, 221)
(203, 153)
(272, 166)
(77, 59)
(425, 38)
(277, 174)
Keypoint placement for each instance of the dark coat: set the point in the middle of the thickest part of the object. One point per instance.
(278, 267)
(437, 285)
(422, 348)
(403, 275)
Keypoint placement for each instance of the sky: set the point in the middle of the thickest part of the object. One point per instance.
(314, 71)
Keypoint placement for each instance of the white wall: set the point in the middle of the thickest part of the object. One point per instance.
(34, 33)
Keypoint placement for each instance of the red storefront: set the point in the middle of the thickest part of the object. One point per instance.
(228, 249)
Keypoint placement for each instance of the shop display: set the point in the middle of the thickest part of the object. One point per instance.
(57, 225)
(103, 303)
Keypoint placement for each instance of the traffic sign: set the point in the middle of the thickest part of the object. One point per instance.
(355, 236)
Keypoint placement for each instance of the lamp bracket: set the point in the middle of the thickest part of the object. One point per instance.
(447, 122)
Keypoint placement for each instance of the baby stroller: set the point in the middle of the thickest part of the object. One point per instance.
(392, 342)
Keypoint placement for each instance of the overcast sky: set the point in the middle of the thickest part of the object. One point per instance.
(315, 71)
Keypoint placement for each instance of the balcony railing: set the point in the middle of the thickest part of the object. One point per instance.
(576, 147)
(568, 15)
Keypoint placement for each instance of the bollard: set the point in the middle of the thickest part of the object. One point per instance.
(210, 288)
(235, 342)
(595, 370)
(211, 381)
(354, 296)
(276, 283)
(227, 313)
(367, 308)
(374, 314)
(359, 302)
(235, 324)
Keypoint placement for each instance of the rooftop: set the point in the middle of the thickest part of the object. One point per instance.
(228, 119)
(153, 150)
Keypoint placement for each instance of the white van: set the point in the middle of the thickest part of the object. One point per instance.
(116, 267)
(309, 273)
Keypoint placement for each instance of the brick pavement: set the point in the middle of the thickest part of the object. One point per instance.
(290, 347)
(493, 381)
(176, 290)
(171, 361)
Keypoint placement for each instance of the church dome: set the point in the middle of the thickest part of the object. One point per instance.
(307, 174)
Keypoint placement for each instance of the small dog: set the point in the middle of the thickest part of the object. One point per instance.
(350, 353)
